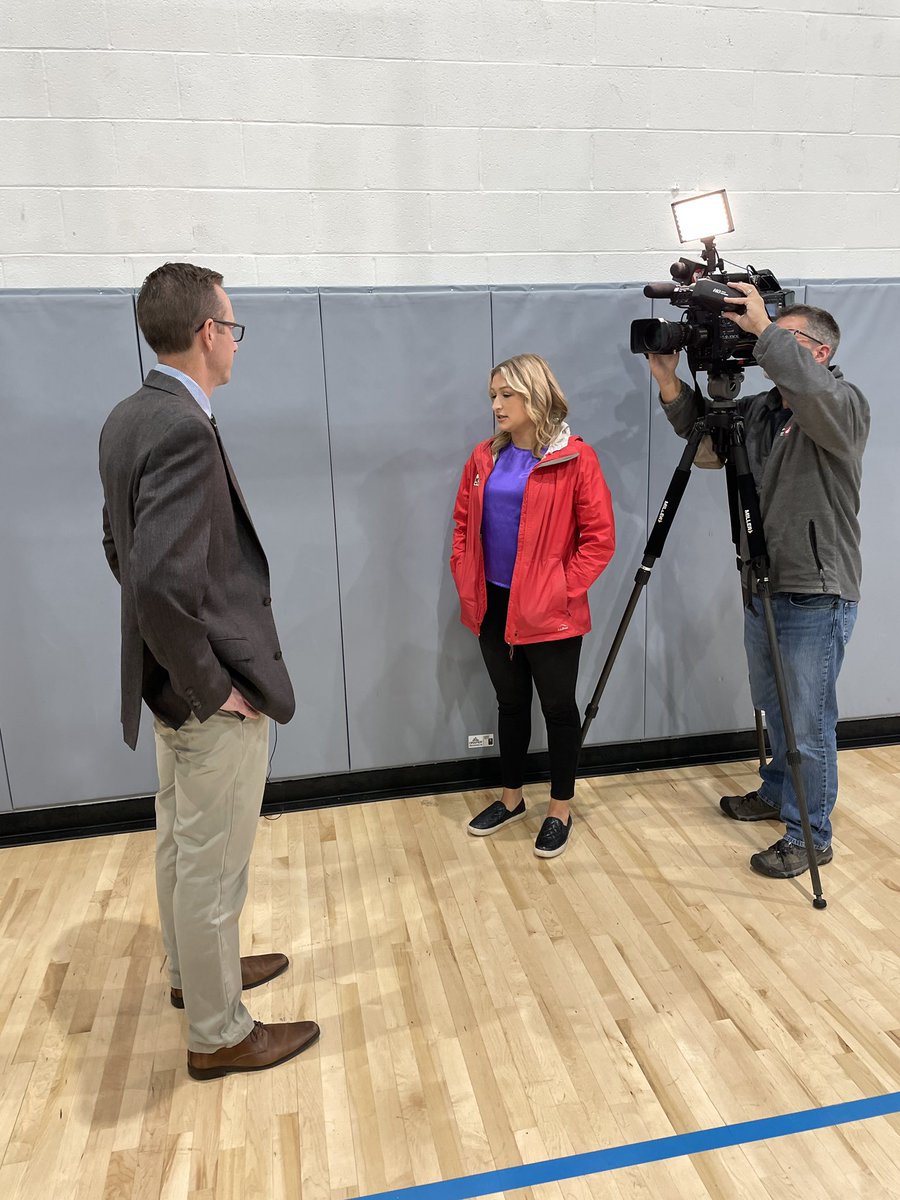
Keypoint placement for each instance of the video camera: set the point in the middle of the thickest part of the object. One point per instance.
(712, 341)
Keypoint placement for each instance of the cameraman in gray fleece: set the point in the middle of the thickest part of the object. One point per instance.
(805, 440)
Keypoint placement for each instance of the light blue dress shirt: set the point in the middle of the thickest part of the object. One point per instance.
(191, 384)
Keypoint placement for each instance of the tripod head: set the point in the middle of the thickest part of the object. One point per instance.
(725, 382)
(724, 376)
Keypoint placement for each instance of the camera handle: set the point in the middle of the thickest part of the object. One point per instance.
(722, 419)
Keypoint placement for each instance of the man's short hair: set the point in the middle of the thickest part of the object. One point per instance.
(174, 300)
(821, 324)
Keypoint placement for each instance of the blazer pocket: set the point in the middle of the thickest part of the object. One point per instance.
(231, 649)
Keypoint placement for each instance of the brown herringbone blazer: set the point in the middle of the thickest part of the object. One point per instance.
(196, 603)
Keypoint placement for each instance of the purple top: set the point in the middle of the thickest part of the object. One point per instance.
(502, 509)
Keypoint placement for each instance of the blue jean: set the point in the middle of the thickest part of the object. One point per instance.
(813, 631)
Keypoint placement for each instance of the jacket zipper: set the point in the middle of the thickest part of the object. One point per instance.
(544, 463)
(521, 515)
(815, 549)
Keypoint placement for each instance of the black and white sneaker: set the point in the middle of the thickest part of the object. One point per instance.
(495, 816)
(553, 838)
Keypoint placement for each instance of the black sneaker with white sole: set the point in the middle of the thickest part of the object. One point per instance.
(553, 838)
(495, 816)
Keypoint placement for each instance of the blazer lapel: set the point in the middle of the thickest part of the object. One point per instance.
(174, 387)
(232, 479)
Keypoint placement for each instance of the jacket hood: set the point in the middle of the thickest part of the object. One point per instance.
(560, 441)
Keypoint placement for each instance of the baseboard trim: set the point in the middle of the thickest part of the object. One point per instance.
(103, 817)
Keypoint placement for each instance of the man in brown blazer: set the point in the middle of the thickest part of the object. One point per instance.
(199, 646)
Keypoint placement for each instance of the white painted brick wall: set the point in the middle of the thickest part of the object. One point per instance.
(395, 142)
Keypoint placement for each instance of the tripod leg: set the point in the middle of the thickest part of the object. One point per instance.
(734, 516)
(793, 754)
(652, 551)
(640, 581)
(760, 738)
(759, 560)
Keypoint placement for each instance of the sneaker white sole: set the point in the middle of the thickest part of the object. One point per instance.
(496, 829)
(553, 853)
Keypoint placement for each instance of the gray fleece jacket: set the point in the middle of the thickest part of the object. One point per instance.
(808, 471)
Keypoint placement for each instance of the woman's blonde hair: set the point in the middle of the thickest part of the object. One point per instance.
(545, 401)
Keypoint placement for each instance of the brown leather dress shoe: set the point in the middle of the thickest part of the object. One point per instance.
(264, 1046)
(255, 969)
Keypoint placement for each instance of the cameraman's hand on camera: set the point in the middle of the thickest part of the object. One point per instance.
(753, 318)
(663, 368)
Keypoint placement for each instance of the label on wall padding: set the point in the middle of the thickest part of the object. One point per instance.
(477, 741)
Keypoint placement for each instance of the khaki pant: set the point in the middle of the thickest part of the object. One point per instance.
(211, 780)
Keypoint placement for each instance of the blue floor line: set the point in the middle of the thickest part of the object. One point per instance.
(554, 1169)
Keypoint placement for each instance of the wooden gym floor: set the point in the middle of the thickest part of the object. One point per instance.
(480, 1008)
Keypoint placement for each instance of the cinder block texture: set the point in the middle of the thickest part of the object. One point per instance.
(376, 142)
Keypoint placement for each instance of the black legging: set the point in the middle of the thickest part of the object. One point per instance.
(553, 666)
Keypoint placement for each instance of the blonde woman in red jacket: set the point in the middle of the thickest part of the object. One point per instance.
(533, 530)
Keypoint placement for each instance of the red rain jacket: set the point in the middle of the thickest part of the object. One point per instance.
(566, 538)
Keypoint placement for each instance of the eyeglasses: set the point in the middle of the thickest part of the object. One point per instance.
(809, 338)
(237, 331)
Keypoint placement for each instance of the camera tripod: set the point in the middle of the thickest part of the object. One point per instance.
(725, 427)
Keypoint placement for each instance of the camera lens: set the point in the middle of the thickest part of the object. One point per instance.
(656, 336)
